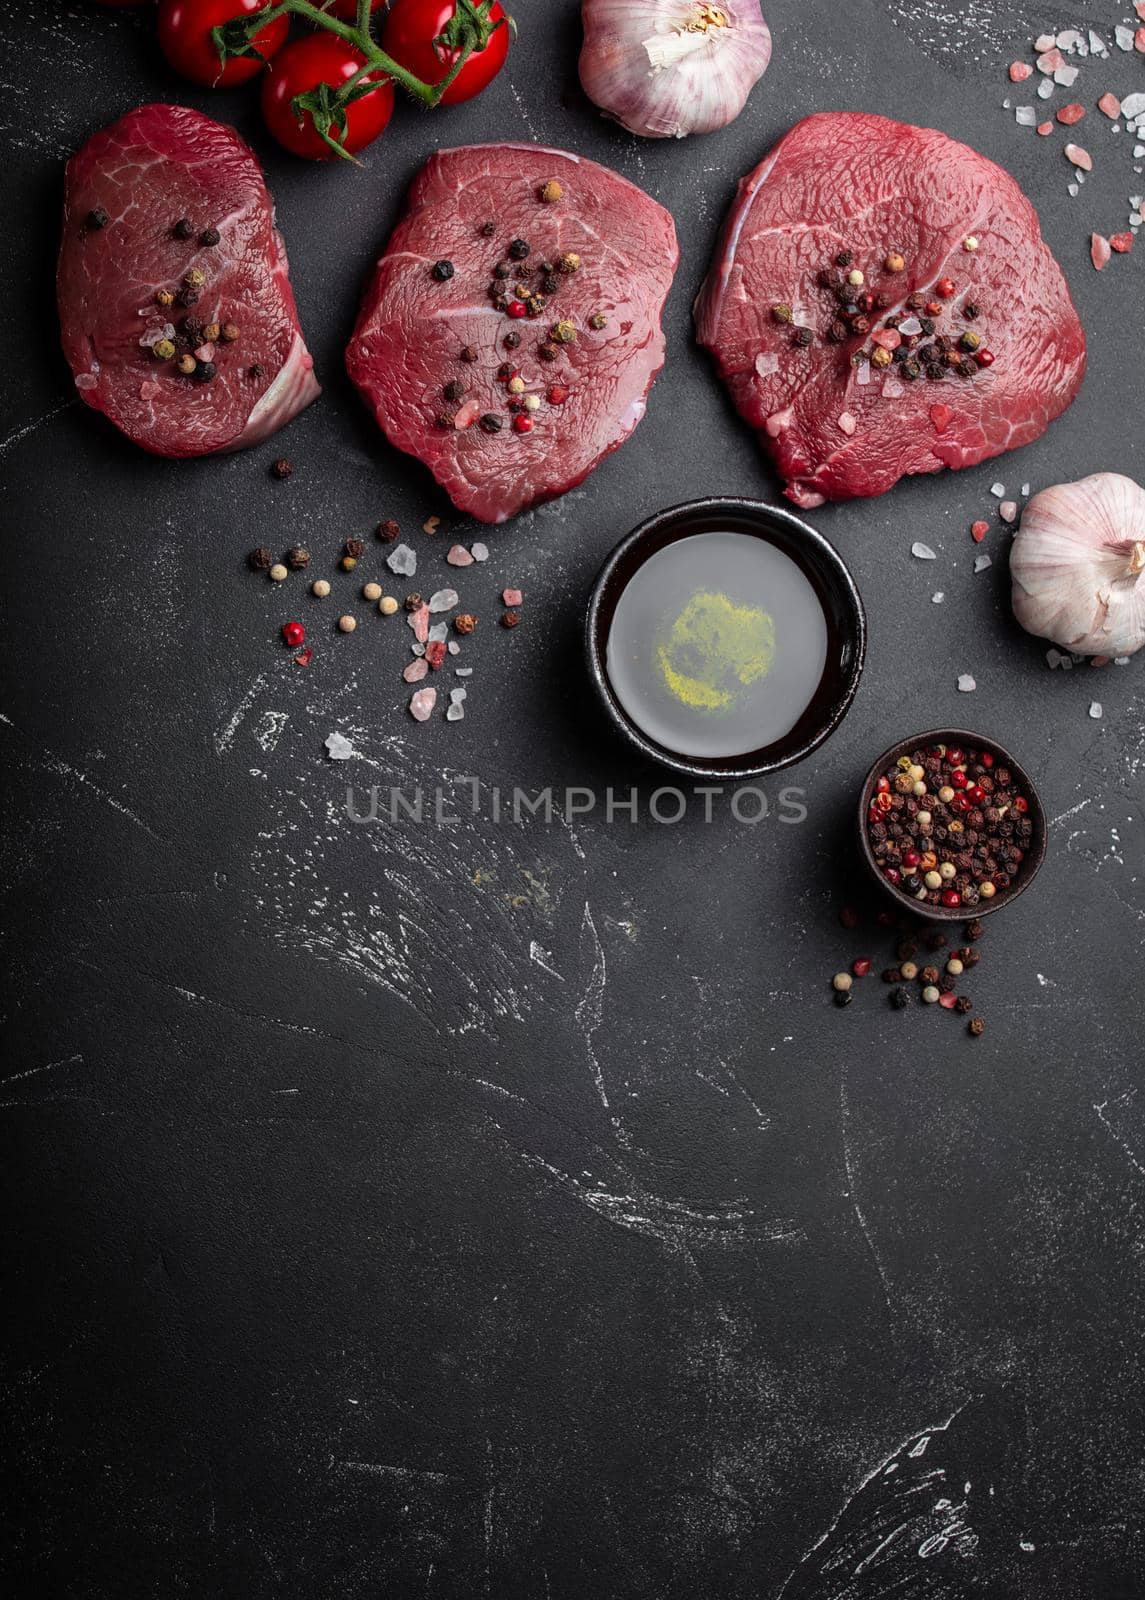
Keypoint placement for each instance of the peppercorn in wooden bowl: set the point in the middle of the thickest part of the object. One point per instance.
(951, 825)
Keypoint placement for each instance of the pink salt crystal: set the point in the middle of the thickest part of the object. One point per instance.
(149, 389)
(419, 622)
(1045, 129)
(847, 423)
(778, 420)
(422, 703)
(205, 352)
(1139, 40)
(1080, 158)
(892, 388)
(1020, 71)
(512, 597)
(1071, 114)
(1051, 60)
(458, 556)
(1008, 511)
(887, 338)
(1044, 41)
(1099, 250)
(1111, 105)
(1139, 7)
(435, 653)
(941, 416)
(466, 415)
(1122, 243)
(416, 670)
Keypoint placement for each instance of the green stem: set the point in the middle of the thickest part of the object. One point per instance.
(428, 94)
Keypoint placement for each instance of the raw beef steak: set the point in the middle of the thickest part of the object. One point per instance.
(959, 340)
(511, 331)
(166, 203)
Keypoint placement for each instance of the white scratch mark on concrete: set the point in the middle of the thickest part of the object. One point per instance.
(542, 958)
(48, 1066)
(64, 769)
(30, 427)
(1113, 1133)
(845, 1115)
(226, 733)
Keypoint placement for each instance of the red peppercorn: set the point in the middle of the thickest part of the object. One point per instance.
(861, 967)
(892, 874)
(955, 756)
(522, 423)
(517, 308)
(960, 803)
(951, 897)
(558, 394)
(911, 858)
(294, 634)
(984, 358)
(933, 308)
(944, 288)
(976, 794)
(987, 759)
(883, 785)
(958, 779)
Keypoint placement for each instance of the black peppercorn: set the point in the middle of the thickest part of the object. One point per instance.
(512, 339)
(389, 530)
(911, 370)
(187, 297)
(964, 1003)
(444, 419)
(929, 975)
(844, 258)
(204, 371)
(971, 310)
(967, 368)
(183, 229)
(297, 558)
(518, 250)
(412, 602)
(506, 370)
(487, 229)
(802, 337)
(282, 468)
(454, 389)
(261, 559)
(255, 370)
(900, 999)
(547, 352)
(468, 355)
(936, 940)
(502, 271)
(442, 271)
(97, 218)
(842, 997)
(491, 423)
(837, 332)
(974, 929)
(860, 324)
(210, 237)
(976, 1027)
(550, 283)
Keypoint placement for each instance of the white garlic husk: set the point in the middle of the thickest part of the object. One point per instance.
(667, 68)
(1078, 565)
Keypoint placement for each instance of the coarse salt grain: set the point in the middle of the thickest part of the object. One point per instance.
(910, 326)
(438, 632)
(1133, 105)
(422, 703)
(418, 621)
(937, 597)
(443, 600)
(1045, 88)
(1050, 59)
(1044, 41)
(1025, 116)
(479, 552)
(1079, 157)
(1008, 510)
(1067, 76)
(1071, 114)
(998, 490)
(766, 364)
(966, 684)
(1123, 37)
(1045, 129)
(1111, 105)
(922, 551)
(416, 670)
(458, 556)
(512, 597)
(402, 561)
(847, 423)
(338, 747)
(978, 531)
(981, 563)
(1020, 71)
(1095, 709)
(1122, 243)
(1099, 250)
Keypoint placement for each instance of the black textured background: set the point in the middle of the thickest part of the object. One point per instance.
(479, 1210)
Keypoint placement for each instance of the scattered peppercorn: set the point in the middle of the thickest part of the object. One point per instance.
(260, 559)
(598, 320)
(454, 389)
(894, 262)
(186, 365)
(320, 588)
(163, 349)
(211, 332)
(183, 229)
(465, 622)
(164, 297)
(551, 192)
(210, 237)
(971, 310)
(187, 297)
(964, 1003)
(204, 372)
(388, 530)
(255, 371)
(802, 337)
(348, 563)
(278, 573)
(282, 468)
(442, 271)
(412, 602)
(564, 332)
(512, 339)
(518, 250)
(97, 218)
(487, 229)
(387, 605)
(491, 423)
(976, 1027)
(502, 271)
(568, 263)
(355, 548)
(347, 624)
(297, 558)
(970, 340)
(844, 258)
(547, 352)
(294, 634)
(371, 591)
(510, 619)
(899, 998)
(229, 332)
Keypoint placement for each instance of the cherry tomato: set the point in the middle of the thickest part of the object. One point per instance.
(302, 67)
(410, 28)
(185, 38)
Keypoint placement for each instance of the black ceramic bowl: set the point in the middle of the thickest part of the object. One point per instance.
(1035, 850)
(821, 563)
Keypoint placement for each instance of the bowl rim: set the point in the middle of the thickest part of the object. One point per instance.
(763, 512)
(1039, 840)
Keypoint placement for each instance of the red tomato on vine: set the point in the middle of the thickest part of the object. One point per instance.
(187, 40)
(300, 105)
(423, 36)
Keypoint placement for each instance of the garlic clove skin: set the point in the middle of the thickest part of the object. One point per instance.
(667, 68)
(1078, 566)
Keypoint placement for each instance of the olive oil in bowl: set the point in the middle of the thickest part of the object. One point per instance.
(726, 637)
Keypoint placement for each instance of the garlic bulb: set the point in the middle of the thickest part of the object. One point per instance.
(666, 68)
(1077, 564)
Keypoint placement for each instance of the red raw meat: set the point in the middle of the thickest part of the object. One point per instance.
(405, 352)
(849, 182)
(149, 170)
